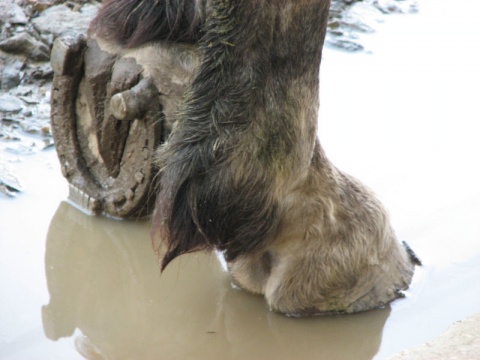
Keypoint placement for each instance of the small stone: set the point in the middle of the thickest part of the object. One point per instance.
(48, 144)
(10, 77)
(28, 100)
(39, 5)
(45, 130)
(21, 149)
(10, 104)
(8, 181)
(23, 90)
(11, 13)
(362, 17)
(61, 20)
(392, 6)
(344, 44)
(9, 120)
(48, 38)
(33, 128)
(40, 72)
(26, 44)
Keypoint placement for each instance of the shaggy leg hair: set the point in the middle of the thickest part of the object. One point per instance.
(132, 23)
(243, 129)
(243, 172)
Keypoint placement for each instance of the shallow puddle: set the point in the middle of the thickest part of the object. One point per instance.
(403, 119)
(103, 281)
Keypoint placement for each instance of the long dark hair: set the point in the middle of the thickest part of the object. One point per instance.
(132, 23)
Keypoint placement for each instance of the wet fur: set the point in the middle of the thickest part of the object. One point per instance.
(132, 23)
(243, 171)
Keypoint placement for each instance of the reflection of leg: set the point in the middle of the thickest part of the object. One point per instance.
(86, 347)
(334, 337)
(66, 271)
(57, 325)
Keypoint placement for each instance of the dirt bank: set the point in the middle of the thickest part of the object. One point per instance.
(461, 341)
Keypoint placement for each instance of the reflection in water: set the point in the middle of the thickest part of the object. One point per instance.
(104, 280)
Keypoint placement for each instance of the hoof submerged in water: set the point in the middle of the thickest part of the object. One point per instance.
(333, 255)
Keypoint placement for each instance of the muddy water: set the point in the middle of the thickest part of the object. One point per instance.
(403, 119)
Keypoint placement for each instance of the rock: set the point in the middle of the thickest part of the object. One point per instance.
(393, 6)
(8, 129)
(11, 13)
(461, 341)
(25, 44)
(21, 149)
(336, 9)
(362, 17)
(9, 184)
(39, 72)
(11, 75)
(37, 6)
(343, 43)
(10, 104)
(61, 20)
(10, 78)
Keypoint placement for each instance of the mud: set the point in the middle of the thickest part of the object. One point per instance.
(460, 341)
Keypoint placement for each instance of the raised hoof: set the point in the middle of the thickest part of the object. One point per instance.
(106, 160)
